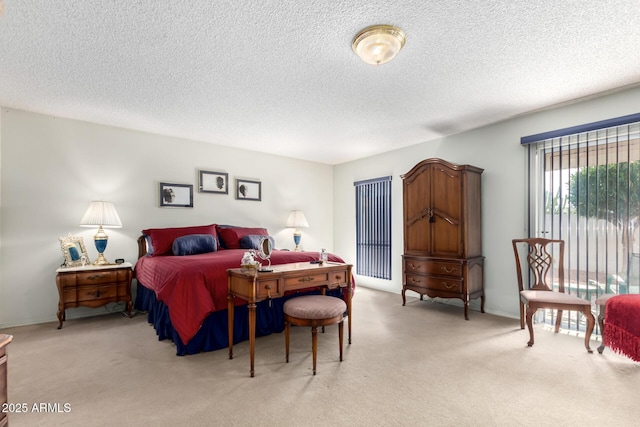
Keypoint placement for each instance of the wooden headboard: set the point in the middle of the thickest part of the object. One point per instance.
(142, 246)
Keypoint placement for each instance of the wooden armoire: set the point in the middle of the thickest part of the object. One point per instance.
(442, 232)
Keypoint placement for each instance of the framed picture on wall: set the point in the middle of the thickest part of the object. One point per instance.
(248, 190)
(179, 195)
(214, 182)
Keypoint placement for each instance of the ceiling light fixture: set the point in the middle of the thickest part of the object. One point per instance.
(378, 44)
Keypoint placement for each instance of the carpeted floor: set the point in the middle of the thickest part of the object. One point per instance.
(421, 364)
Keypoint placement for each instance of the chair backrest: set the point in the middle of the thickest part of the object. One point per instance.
(539, 257)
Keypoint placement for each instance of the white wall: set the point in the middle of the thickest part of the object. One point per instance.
(51, 168)
(497, 150)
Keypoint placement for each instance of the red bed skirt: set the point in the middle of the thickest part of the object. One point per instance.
(622, 325)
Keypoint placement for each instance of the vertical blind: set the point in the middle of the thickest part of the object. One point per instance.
(584, 188)
(373, 227)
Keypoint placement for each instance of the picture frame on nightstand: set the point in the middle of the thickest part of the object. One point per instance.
(73, 251)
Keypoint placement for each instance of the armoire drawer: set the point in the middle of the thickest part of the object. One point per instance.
(434, 282)
(428, 266)
(445, 284)
(443, 268)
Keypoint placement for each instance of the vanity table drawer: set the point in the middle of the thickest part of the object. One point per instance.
(269, 289)
(337, 278)
(307, 281)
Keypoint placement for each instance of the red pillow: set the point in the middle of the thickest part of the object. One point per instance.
(231, 236)
(162, 238)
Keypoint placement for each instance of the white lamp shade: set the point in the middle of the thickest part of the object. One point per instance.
(101, 214)
(297, 220)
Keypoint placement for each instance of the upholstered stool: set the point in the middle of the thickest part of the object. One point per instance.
(314, 311)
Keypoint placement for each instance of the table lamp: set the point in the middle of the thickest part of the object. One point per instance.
(297, 220)
(101, 214)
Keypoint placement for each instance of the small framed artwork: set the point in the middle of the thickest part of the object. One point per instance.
(73, 251)
(248, 190)
(214, 182)
(179, 195)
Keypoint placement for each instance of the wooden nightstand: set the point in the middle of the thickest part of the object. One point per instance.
(93, 286)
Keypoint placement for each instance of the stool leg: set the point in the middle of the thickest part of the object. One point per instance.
(286, 340)
(602, 310)
(314, 346)
(340, 336)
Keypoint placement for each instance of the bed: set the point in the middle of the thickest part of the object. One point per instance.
(181, 276)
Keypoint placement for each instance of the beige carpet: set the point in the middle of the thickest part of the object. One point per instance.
(421, 364)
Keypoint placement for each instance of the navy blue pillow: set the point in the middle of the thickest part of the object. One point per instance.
(194, 244)
(252, 241)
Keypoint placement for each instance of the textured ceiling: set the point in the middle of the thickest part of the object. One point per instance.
(280, 76)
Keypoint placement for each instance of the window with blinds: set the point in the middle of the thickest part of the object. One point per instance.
(584, 188)
(373, 227)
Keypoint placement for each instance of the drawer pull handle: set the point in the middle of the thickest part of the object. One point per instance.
(448, 270)
(448, 286)
(414, 280)
(305, 279)
(415, 266)
(94, 294)
(94, 277)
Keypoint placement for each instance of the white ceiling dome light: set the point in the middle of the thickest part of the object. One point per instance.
(378, 44)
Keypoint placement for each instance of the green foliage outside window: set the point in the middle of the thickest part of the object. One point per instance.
(610, 192)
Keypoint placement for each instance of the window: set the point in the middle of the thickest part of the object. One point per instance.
(584, 188)
(373, 227)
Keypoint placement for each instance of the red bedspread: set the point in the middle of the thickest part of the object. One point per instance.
(622, 325)
(194, 286)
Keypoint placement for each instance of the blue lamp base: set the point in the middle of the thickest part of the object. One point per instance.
(100, 240)
(297, 237)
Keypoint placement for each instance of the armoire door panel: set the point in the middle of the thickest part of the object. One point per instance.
(418, 236)
(446, 239)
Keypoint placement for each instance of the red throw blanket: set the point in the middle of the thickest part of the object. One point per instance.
(622, 325)
(195, 285)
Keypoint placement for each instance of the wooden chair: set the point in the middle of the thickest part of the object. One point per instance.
(315, 311)
(541, 293)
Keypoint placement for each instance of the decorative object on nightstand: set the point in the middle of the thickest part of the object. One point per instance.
(297, 220)
(101, 214)
(73, 251)
(93, 286)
